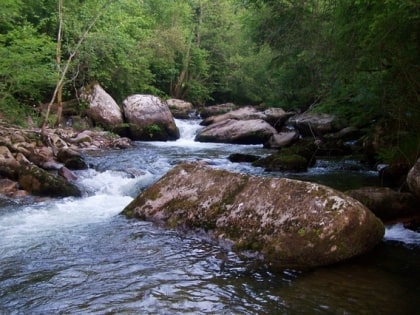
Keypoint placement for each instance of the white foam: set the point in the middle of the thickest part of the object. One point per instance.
(44, 219)
(399, 233)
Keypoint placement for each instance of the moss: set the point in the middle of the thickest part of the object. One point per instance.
(250, 242)
(128, 212)
(301, 232)
(231, 195)
(153, 193)
(153, 129)
(283, 162)
(173, 223)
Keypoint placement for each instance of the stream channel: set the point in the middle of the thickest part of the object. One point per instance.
(80, 256)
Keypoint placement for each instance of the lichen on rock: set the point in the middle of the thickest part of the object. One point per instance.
(290, 223)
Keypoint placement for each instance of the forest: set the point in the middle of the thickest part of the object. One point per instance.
(358, 59)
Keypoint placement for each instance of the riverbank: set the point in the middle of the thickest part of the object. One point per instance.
(32, 163)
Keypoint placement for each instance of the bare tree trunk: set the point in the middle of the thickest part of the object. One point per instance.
(200, 22)
(60, 82)
(183, 76)
(58, 62)
(179, 90)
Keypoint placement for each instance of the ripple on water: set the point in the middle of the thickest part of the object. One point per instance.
(78, 256)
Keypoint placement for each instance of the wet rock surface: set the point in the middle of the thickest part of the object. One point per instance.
(41, 165)
(288, 223)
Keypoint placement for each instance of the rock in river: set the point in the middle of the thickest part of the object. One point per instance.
(149, 118)
(290, 223)
(254, 131)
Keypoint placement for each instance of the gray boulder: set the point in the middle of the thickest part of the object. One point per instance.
(149, 118)
(413, 179)
(179, 108)
(213, 110)
(289, 223)
(243, 113)
(276, 117)
(255, 131)
(314, 124)
(387, 204)
(103, 109)
(8, 164)
(281, 139)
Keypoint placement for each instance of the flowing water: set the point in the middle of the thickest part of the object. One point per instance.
(79, 256)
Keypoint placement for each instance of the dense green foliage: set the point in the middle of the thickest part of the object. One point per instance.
(358, 59)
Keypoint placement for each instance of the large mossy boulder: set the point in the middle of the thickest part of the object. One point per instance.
(290, 223)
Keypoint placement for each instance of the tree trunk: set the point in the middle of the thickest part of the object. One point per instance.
(58, 62)
(60, 82)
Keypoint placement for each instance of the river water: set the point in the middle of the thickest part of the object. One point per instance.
(79, 256)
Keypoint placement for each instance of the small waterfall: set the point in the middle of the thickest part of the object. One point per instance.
(188, 129)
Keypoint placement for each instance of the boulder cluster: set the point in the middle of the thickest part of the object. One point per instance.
(41, 165)
(141, 117)
(297, 140)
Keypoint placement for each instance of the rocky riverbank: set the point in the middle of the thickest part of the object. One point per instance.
(42, 166)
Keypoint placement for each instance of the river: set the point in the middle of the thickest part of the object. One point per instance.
(80, 256)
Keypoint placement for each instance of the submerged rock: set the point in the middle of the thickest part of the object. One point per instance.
(294, 159)
(243, 158)
(290, 223)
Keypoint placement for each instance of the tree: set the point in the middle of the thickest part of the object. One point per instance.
(27, 72)
(58, 62)
(60, 82)
(357, 59)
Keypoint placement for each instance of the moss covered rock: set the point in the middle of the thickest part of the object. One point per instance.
(294, 159)
(39, 182)
(289, 223)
